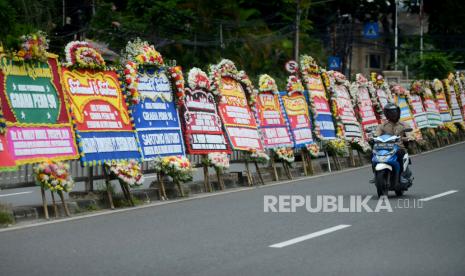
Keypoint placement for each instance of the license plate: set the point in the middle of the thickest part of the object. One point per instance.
(384, 146)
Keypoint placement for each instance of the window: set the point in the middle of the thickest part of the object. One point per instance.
(373, 61)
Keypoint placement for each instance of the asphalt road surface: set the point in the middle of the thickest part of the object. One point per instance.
(230, 234)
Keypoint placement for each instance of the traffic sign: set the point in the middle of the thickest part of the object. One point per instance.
(371, 30)
(334, 63)
(292, 66)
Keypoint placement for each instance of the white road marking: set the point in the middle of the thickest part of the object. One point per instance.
(438, 195)
(12, 194)
(309, 236)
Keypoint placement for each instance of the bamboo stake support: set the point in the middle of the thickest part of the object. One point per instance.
(351, 157)
(310, 165)
(249, 175)
(273, 166)
(219, 175)
(287, 170)
(44, 202)
(161, 185)
(55, 208)
(206, 178)
(181, 191)
(360, 160)
(108, 186)
(63, 204)
(259, 173)
(304, 162)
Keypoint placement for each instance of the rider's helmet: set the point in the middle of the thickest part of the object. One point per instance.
(392, 112)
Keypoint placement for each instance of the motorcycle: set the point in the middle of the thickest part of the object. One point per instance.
(387, 168)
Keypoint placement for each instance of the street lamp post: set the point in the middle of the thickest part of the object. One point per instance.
(396, 36)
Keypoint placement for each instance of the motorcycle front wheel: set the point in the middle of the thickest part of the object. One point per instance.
(382, 181)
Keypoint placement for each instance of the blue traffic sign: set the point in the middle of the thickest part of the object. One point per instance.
(371, 30)
(334, 63)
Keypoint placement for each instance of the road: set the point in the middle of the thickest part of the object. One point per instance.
(230, 234)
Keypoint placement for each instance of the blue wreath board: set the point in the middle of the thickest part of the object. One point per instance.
(325, 121)
(156, 119)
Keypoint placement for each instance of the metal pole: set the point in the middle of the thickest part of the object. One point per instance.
(64, 15)
(221, 39)
(421, 29)
(396, 38)
(297, 30)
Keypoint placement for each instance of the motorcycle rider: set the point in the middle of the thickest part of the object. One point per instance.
(392, 126)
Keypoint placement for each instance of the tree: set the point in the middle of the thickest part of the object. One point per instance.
(434, 65)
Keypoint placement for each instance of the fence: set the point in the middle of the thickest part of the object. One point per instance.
(23, 177)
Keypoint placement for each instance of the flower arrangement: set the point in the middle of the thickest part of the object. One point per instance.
(131, 81)
(294, 85)
(127, 171)
(258, 156)
(451, 127)
(177, 167)
(219, 160)
(416, 88)
(53, 176)
(267, 84)
(177, 80)
(226, 68)
(285, 154)
(142, 53)
(81, 54)
(2, 123)
(308, 65)
(198, 79)
(360, 145)
(438, 87)
(313, 149)
(399, 90)
(33, 46)
(336, 147)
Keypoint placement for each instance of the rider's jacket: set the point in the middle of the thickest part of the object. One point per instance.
(391, 128)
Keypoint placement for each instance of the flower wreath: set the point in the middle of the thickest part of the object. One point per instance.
(377, 82)
(226, 68)
(218, 160)
(53, 176)
(80, 54)
(140, 53)
(309, 66)
(313, 149)
(127, 171)
(335, 79)
(258, 156)
(33, 46)
(267, 84)
(360, 82)
(177, 167)
(360, 145)
(285, 154)
(336, 147)
(452, 81)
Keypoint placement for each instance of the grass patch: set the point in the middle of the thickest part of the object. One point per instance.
(6, 216)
